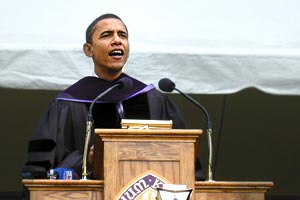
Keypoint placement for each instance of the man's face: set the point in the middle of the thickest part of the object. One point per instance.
(110, 47)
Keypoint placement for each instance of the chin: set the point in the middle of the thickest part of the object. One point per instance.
(116, 70)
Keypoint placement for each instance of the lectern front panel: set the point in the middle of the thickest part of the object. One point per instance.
(129, 153)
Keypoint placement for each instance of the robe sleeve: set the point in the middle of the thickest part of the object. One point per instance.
(58, 140)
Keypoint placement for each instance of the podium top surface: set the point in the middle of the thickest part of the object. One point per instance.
(149, 134)
(150, 131)
(233, 186)
(198, 184)
(62, 183)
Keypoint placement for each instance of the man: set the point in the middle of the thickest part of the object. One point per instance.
(60, 135)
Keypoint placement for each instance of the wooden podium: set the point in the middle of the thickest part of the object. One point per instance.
(122, 155)
(93, 190)
(127, 153)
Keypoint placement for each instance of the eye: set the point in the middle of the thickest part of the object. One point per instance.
(123, 35)
(105, 34)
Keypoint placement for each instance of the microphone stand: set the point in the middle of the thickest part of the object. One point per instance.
(210, 173)
(209, 133)
(89, 126)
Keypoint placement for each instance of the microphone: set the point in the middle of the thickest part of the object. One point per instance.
(167, 85)
(124, 83)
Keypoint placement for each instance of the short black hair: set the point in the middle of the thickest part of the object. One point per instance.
(91, 27)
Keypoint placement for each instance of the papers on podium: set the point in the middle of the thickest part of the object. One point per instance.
(174, 192)
(146, 124)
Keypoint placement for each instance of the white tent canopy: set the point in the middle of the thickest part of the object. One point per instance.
(207, 47)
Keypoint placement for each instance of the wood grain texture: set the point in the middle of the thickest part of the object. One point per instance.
(221, 190)
(130, 152)
(149, 151)
(44, 189)
(93, 190)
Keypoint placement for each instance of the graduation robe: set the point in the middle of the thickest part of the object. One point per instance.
(59, 138)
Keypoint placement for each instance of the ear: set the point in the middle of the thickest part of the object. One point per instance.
(87, 48)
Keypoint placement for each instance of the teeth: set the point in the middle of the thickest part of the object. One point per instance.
(116, 52)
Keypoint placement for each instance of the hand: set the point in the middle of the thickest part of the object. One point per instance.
(91, 155)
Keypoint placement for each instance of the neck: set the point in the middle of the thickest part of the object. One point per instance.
(108, 76)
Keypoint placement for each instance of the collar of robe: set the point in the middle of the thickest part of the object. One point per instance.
(88, 88)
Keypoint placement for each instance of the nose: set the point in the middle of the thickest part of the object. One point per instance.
(116, 40)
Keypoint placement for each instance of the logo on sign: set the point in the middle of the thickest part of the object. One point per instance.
(142, 187)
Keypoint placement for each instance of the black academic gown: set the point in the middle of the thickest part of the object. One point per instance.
(59, 138)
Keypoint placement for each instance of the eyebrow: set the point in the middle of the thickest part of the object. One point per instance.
(111, 31)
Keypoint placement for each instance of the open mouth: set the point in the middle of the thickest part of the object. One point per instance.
(117, 52)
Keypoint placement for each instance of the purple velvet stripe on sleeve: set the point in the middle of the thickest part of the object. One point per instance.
(145, 90)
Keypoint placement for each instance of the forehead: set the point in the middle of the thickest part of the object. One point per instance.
(110, 24)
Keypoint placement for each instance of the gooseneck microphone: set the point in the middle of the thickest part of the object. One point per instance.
(125, 84)
(167, 85)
